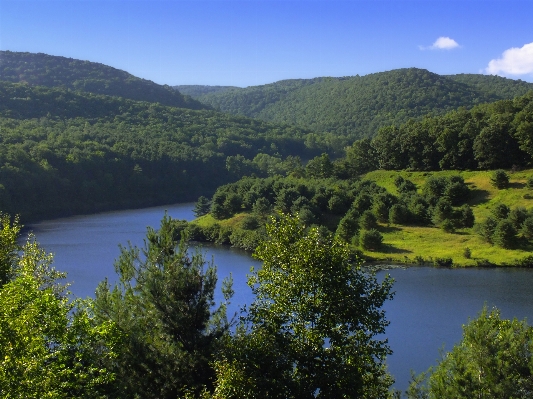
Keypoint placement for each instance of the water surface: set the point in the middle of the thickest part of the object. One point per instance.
(426, 314)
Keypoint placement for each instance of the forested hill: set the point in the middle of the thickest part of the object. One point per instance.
(53, 71)
(199, 90)
(65, 153)
(356, 107)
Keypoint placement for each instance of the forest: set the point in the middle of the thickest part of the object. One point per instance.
(315, 177)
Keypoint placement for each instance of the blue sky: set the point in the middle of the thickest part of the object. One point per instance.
(252, 42)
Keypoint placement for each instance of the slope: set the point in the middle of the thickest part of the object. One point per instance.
(53, 71)
(356, 107)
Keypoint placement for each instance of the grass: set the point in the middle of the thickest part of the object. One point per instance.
(404, 243)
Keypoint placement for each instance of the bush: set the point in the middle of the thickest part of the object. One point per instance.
(529, 182)
(443, 262)
(504, 234)
(467, 253)
(517, 216)
(466, 217)
(500, 211)
(368, 221)
(249, 222)
(370, 239)
(398, 214)
(443, 210)
(499, 179)
(527, 228)
(486, 229)
(447, 226)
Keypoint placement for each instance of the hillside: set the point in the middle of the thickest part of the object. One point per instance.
(199, 90)
(53, 71)
(356, 107)
(64, 152)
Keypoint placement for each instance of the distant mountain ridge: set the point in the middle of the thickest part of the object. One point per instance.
(358, 106)
(38, 69)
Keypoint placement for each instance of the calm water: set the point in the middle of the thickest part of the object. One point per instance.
(427, 313)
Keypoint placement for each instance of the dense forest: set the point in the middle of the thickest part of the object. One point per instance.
(53, 71)
(356, 107)
(65, 152)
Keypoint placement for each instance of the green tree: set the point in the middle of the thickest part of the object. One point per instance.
(164, 305)
(370, 239)
(499, 179)
(493, 360)
(299, 340)
(50, 346)
(319, 167)
(504, 234)
(202, 207)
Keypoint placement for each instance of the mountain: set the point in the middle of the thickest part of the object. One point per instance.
(53, 71)
(199, 90)
(356, 107)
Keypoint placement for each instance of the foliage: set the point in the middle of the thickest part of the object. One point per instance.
(504, 234)
(84, 153)
(370, 239)
(297, 339)
(164, 305)
(356, 107)
(49, 346)
(499, 179)
(493, 360)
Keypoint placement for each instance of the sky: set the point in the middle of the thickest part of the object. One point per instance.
(253, 42)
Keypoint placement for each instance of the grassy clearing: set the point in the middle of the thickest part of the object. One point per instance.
(404, 243)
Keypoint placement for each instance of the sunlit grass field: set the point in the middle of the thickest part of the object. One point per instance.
(405, 243)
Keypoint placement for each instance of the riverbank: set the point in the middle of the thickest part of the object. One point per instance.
(416, 244)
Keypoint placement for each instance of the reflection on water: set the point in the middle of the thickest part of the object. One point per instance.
(427, 312)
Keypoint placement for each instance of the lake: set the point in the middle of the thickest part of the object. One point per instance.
(426, 314)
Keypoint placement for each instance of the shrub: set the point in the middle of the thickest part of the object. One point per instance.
(448, 226)
(467, 253)
(486, 229)
(466, 217)
(443, 210)
(499, 179)
(504, 234)
(398, 214)
(517, 216)
(527, 228)
(529, 182)
(368, 221)
(370, 239)
(500, 211)
(249, 222)
(443, 262)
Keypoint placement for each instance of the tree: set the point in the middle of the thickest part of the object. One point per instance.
(370, 239)
(50, 346)
(493, 360)
(499, 179)
(500, 211)
(202, 207)
(299, 339)
(164, 305)
(319, 167)
(504, 234)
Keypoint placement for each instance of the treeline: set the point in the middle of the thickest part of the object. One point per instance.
(53, 71)
(489, 136)
(63, 152)
(358, 106)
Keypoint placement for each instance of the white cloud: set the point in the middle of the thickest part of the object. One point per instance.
(515, 61)
(442, 43)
